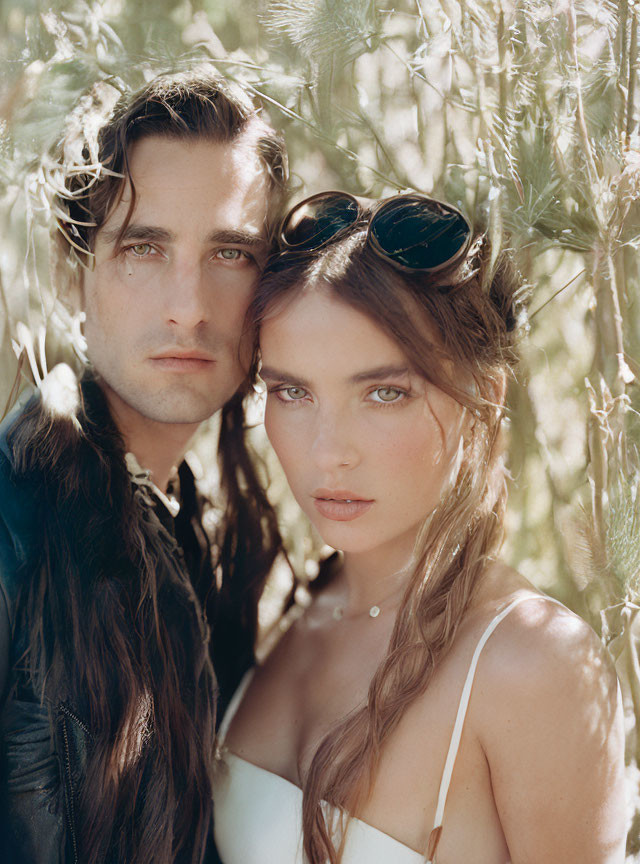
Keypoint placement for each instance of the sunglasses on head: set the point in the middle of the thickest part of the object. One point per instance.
(413, 232)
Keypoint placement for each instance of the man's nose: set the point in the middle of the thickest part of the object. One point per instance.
(333, 446)
(188, 294)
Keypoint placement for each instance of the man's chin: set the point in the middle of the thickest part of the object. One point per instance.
(177, 414)
(187, 409)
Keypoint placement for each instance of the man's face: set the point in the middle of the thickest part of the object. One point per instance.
(164, 313)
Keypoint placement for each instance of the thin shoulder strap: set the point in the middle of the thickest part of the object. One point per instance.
(456, 735)
(234, 704)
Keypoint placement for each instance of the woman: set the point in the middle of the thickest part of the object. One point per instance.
(429, 701)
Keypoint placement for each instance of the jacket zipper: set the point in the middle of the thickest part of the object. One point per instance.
(72, 813)
(66, 710)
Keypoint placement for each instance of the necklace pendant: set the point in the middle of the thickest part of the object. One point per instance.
(374, 611)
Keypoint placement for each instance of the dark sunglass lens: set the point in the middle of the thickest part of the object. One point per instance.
(315, 222)
(419, 234)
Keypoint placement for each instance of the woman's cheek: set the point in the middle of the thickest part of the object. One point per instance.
(412, 438)
(285, 435)
(276, 426)
(412, 458)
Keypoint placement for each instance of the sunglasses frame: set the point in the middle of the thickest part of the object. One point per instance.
(374, 211)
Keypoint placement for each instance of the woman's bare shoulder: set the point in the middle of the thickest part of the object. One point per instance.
(541, 646)
(547, 713)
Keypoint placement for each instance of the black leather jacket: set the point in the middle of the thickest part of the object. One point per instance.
(43, 744)
(34, 778)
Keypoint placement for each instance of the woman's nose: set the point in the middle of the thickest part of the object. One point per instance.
(333, 446)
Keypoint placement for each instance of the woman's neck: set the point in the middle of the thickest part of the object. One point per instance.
(378, 576)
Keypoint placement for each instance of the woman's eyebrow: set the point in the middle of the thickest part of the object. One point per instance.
(378, 372)
(267, 373)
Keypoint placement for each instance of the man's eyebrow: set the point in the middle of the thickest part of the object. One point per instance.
(236, 237)
(379, 372)
(267, 373)
(137, 232)
(152, 233)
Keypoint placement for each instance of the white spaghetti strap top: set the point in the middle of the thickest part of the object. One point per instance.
(456, 735)
(248, 831)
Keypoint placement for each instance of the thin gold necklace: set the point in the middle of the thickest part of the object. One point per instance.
(338, 612)
(373, 612)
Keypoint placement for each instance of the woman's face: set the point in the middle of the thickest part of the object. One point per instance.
(366, 444)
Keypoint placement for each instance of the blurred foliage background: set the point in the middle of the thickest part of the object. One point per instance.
(523, 113)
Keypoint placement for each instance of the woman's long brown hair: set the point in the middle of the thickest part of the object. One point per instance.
(473, 313)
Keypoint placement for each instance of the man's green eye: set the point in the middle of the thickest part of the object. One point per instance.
(230, 254)
(141, 250)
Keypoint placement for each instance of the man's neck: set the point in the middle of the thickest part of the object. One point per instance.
(158, 447)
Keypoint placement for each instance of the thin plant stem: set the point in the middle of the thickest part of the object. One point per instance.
(617, 324)
(623, 13)
(502, 67)
(13, 393)
(597, 435)
(631, 87)
(582, 123)
(414, 73)
(294, 115)
(559, 291)
(402, 181)
(633, 672)
(423, 20)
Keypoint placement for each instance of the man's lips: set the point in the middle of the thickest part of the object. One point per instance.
(340, 505)
(183, 361)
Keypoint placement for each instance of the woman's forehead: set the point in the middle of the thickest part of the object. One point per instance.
(318, 324)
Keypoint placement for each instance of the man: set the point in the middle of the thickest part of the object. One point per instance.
(107, 588)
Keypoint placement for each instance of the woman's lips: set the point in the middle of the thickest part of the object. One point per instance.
(341, 509)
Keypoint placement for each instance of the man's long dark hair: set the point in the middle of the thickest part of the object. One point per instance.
(116, 634)
(113, 624)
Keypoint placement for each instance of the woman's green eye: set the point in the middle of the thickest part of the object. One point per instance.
(387, 394)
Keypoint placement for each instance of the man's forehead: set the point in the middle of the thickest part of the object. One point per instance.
(236, 157)
(187, 184)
